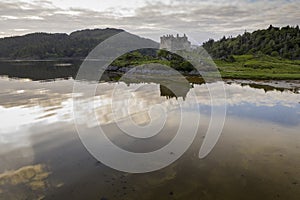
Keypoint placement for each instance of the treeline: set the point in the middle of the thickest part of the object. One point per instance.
(278, 42)
(59, 45)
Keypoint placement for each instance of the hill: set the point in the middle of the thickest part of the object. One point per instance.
(264, 54)
(277, 42)
(59, 45)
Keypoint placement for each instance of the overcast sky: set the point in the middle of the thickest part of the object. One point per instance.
(200, 19)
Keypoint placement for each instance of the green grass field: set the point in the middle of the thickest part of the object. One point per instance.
(259, 67)
(241, 67)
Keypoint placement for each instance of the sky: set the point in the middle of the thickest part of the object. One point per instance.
(199, 19)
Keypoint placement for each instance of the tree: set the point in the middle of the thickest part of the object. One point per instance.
(274, 54)
(283, 40)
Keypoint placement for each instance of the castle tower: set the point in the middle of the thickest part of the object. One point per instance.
(171, 43)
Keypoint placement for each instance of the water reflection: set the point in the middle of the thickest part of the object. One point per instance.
(53, 70)
(257, 155)
(39, 70)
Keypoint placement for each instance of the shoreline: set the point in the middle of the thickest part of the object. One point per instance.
(225, 74)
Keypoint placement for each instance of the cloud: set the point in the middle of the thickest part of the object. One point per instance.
(200, 19)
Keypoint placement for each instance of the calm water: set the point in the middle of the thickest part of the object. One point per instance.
(41, 155)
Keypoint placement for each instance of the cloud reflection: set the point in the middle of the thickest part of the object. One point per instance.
(23, 104)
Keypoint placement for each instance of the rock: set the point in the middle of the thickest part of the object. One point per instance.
(295, 183)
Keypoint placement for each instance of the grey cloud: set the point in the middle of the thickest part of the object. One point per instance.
(201, 19)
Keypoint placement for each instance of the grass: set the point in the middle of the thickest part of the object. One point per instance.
(243, 66)
(136, 62)
(259, 67)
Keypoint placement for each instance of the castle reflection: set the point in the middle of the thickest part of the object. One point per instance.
(67, 69)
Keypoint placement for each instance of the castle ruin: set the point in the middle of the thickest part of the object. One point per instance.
(171, 43)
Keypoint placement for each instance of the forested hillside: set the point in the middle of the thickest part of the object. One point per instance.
(45, 45)
(278, 42)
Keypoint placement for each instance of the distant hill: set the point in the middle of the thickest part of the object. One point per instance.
(59, 45)
(278, 42)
